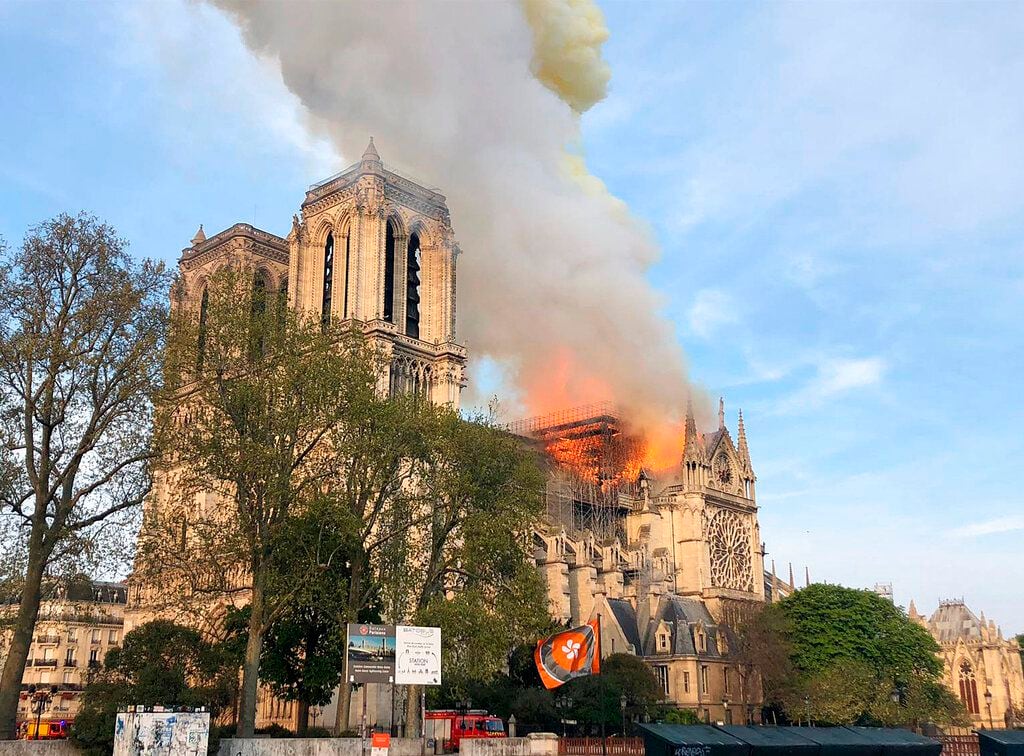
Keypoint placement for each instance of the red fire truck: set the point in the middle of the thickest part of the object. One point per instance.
(448, 727)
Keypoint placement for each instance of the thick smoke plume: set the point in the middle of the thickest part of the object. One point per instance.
(482, 99)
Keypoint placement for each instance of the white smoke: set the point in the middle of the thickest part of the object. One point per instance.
(481, 99)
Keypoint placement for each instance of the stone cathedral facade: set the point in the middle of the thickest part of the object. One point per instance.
(672, 562)
(369, 247)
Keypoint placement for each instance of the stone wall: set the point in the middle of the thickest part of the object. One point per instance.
(536, 744)
(37, 748)
(313, 747)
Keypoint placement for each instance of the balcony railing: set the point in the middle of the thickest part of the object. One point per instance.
(70, 663)
(46, 662)
(47, 639)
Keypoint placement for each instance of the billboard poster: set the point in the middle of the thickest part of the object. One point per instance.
(371, 653)
(418, 660)
(161, 733)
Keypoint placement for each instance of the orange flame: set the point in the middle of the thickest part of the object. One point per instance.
(655, 445)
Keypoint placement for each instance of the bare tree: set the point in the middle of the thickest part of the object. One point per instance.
(81, 329)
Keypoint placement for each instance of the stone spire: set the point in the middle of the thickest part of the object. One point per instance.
(691, 444)
(371, 159)
(200, 237)
(912, 609)
(741, 443)
(792, 583)
(721, 413)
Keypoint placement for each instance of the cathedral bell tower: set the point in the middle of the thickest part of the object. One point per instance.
(375, 248)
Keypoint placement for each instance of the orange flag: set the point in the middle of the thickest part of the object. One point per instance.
(569, 654)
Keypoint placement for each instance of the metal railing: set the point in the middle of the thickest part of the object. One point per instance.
(594, 747)
(960, 745)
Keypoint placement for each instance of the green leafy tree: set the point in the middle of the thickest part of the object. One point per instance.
(682, 716)
(257, 403)
(304, 648)
(596, 699)
(482, 493)
(859, 658)
(159, 664)
(81, 327)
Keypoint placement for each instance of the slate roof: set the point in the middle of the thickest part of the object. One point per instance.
(953, 620)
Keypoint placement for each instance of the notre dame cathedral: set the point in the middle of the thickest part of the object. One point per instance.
(670, 560)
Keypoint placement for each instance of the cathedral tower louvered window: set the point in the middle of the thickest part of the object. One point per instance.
(204, 307)
(412, 288)
(389, 273)
(325, 305)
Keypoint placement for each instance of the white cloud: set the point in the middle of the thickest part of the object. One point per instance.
(712, 309)
(840, 375)
(834, 376)
(989, 527)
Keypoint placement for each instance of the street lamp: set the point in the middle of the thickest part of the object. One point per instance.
(562, 704)
(622, 705)
(988, 705)
(39, 701)
(807, 710)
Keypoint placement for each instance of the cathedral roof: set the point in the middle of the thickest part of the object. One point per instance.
(953, 620)
(625, 616)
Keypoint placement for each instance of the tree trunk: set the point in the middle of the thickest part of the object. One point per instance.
(355, 603)
(24, 624)
(251, 664)
(413, 723)
(341, 718)
(302, 723)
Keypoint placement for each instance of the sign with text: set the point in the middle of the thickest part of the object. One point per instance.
(371, 653)
(380, 742)
(418, 655)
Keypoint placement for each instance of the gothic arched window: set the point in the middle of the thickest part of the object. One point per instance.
(348, 246)
(969, 688)
(257, 309)
(389, 273)
(412, 287)
(325, 305)
(204, 306)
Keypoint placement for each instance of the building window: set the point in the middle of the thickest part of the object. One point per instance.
(48, 654)
(728, 715)
(969, 688)
(204, 307)
(44, 678)
(686, 682)
(725, 679)
(663, 641)
(702, 642)
(69, 658)
(69, 678)
(662, 673)
(412, 287)
(389, 273)
(325, 304)
(704, 679)
(94, 657)
(96, 635)
(112, 637)
(71, 636)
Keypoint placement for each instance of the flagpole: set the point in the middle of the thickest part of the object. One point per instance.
(604, 688)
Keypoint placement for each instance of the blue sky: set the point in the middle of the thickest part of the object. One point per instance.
(837, 191)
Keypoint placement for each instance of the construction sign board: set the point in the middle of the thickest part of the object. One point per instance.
(371, 653)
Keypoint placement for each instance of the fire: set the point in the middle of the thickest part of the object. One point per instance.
(565, 391)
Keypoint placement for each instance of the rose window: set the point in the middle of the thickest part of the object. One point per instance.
(729, 544)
